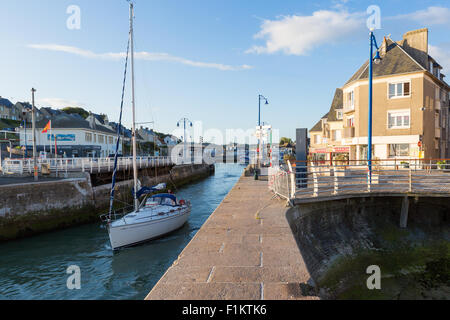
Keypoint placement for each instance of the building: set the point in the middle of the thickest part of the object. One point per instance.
(326, 135)
(75, 137)
(25, 108)
(147, 135)
(8, 111)
(410, 107)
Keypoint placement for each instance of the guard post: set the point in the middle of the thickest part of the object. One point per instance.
(301, 150)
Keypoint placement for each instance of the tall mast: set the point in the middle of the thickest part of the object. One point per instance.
(135, 172)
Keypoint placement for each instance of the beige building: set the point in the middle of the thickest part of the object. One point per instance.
(410, 107)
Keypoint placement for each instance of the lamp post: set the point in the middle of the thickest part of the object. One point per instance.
(377, 60)
(260, 97)
(33, 121)
(184, 121)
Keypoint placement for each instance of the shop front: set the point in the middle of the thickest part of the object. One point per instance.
(330, 156)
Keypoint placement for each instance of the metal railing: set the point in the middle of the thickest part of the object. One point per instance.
(92, 165)
(319, 181)
(282, 181)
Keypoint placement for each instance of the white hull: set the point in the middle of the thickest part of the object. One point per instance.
(123, 233)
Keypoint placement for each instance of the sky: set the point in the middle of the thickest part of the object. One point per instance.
(206, 60)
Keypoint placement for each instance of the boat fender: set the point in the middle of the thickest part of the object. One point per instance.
(182, 202)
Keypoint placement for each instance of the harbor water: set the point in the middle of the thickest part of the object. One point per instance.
(36, 268)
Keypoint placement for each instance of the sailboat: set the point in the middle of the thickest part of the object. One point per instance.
(156, 214)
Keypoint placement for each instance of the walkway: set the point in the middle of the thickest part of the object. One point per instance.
(245, 251)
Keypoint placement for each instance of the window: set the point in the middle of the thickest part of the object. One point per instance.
(351, 100)
(317, 139)
(399, 119)
(399, 150)
(339, 114)
(351, 122)
(110, 140)
(336, 134)
(88, 137)
(95, 138)
(399, 90)
(101, 138)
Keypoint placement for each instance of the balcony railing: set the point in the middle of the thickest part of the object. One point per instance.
(349, 132)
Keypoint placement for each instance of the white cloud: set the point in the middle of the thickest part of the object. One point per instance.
(143, 55)
(59, 103)
(429, 16)
(299, 35)
(441, 55)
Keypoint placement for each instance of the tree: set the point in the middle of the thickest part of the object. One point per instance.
(75, 110)
(285, 140)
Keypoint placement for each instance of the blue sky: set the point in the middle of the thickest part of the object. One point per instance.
(203, 59)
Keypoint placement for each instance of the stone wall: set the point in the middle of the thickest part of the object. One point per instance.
(38, 207)
(330, 230)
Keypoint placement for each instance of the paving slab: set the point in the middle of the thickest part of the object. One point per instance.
(244, 251)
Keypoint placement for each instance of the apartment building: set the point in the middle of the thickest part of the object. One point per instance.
(410, 106)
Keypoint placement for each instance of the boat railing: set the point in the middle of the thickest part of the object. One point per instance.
(116, 214)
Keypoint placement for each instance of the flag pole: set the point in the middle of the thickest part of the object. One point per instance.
(51, 135)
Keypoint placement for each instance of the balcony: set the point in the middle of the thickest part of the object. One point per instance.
(349, 132)
(437, 133)
(348, 108)
(438, 105)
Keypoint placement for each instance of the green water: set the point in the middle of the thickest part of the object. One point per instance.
(409, 272)
(35, 268)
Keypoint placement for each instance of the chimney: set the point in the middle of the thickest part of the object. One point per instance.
(383, 48)
(416, 44)
(417, 39)
(92, 121)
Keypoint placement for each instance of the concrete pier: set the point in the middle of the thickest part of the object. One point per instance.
(244, 251)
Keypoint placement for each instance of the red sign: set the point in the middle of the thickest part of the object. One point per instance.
(420, 144)
(342, 149)
(319, 151)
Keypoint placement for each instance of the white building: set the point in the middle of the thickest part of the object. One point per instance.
(75, 137)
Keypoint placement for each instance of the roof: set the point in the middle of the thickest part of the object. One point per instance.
(337, 104)
(25, 105)
(5, 102)
(66, 121)
(395, 61)
(318, 126)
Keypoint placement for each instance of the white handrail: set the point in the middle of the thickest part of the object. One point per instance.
(326, 181)
(20, 166)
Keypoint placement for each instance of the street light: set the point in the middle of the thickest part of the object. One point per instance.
(184, 121)
(260, 97)
(377, 60)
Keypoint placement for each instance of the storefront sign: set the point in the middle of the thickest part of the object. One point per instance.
(62, 137)
(341, 150)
